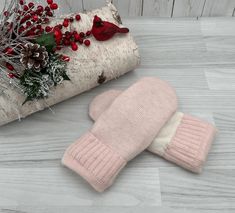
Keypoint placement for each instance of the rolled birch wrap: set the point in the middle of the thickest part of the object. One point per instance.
(113, 58)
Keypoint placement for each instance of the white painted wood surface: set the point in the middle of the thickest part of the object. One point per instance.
(158, 8)
(197, 58)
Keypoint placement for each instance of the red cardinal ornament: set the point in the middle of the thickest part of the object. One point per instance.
(103, 30)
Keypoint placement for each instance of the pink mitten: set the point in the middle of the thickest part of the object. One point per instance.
(184, 140)
(122, 132)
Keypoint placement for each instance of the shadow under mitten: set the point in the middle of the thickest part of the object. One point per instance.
(122, 132)
(184, 140)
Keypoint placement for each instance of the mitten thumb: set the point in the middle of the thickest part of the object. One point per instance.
(101, 103)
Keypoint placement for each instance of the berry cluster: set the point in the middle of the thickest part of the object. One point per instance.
(65, 37)
(30, 17)
(28, 22)
(33, 20)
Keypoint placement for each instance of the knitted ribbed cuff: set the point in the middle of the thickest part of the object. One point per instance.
(97, 163)
(191, 143)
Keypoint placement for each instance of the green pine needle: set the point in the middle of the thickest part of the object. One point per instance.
(37, 85)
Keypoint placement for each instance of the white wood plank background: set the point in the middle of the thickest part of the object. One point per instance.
(158, 8)
(186, 8)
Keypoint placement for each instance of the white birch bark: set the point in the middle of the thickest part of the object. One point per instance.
(114, 58)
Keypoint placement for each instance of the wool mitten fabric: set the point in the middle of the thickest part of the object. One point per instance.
(184, 140)
(122, 132)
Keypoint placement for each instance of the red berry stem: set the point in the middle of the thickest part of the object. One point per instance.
(68, 37)
(31, 19)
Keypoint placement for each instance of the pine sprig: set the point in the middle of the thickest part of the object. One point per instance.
(38, 85)
(35, 87)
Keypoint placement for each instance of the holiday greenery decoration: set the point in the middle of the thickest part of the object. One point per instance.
(28, 45)
(93, 62)
(38, 84)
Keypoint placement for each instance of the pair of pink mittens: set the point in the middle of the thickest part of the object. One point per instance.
(142, 117)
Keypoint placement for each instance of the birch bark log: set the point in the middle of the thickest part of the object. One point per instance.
(112, 58)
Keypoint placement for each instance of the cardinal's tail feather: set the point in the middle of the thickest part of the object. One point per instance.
(123, 30)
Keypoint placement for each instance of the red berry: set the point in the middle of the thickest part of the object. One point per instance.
(66, 23)
(49, 1)
(35, 18)
(6, 13)
(31, 4)
(22, 20)
(48, 29)
(32, 13)
(66, 42)
(78, 17)
(28, 23)
(68, 34)
(87, 43)
(82, 34)
(60, 26)
(22, 2)
(39, 27)
(58, 35)
(27, 17)
(49, 13)
(74, 46)
(38, 12)
(26, 8)
(54, 6)
(80, 40)
(40, 8)
(21, 29)
(31, 33)
(41, 30)
(88, 33)
(58, 42)
(56, 28)
(76, 37)
(65, 58)
(9, 66)
(71, 19)
(46, 20)
(47, 8)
